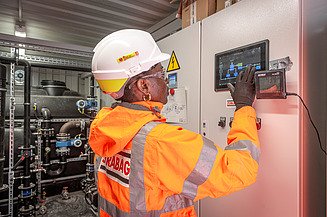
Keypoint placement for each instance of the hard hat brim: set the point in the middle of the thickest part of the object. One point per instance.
(112, 85)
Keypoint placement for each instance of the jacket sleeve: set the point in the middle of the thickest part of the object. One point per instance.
(195, 167)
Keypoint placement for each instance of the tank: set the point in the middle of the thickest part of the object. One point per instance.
(61, 103)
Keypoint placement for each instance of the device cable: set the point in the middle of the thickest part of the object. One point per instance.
(314, 126)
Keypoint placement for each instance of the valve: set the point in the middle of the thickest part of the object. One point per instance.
(26, 154)
(89, 103)
(63, 151)
(77, 143)
(47, 150)
(43, 210)
(65, 194)
(81, 104)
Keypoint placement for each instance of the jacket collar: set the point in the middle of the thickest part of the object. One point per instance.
(154, 107)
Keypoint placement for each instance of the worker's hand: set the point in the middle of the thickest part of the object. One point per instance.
(244, 91)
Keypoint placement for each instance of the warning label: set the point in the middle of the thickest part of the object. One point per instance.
(173, 63)
(230, 103)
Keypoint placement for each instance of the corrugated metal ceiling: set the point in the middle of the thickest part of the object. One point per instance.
(80, 22)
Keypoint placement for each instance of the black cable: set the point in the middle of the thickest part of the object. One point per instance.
(314, 126)
(89, 116)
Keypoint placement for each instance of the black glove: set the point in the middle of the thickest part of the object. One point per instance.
(244, 91)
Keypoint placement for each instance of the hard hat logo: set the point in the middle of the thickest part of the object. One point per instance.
(128, 56)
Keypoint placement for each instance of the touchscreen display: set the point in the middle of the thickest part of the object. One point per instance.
(269, 84)
(230, 63)
(172, 80)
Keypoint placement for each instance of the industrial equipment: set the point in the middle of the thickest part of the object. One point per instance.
(291, 157)
(270, 84)
(44, 124)
(229, 64)
(44, 136)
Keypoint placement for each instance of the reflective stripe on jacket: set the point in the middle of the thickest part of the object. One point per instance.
(163, 169)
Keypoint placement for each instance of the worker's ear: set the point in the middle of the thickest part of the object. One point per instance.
(143, 86)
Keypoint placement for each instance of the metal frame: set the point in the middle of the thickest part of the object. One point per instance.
(67, 52)
(11, 141)
(45, 46)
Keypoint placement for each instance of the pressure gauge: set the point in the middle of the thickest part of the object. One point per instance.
(19, 77)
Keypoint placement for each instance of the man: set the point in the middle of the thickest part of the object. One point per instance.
(147, 167)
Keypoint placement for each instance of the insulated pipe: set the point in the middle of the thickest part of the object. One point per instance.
(2, 121)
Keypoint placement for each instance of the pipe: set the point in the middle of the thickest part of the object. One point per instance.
(2, 121)
(27, 122)
(92, 87)
(46, 114)
(70, 68)
(55, 180)
(27, 186)
(71, 125)
(57, 171)
(65, 128)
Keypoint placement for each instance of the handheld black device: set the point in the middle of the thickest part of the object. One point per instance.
(270, 84)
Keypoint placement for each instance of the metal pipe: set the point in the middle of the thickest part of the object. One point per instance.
(55, 180)
(2, 121)
(71, 68)
(20, 10)
(65, 128)
(27, 187)
(71, 125)
(57, 171)
(27, 122)
(46, 114)
(92, 87)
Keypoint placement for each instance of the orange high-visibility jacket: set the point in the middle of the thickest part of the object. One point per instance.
(149, 168)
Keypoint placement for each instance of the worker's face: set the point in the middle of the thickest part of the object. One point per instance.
(152, 82)
(158, 84)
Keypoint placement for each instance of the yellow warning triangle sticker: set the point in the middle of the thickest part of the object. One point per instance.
(173, 63)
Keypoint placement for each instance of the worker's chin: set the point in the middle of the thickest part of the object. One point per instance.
(165, 100)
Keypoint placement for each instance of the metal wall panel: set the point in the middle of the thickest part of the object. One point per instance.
(277, 190)
(72, 79)
(187, 50)
(186, 45)
(314, 19)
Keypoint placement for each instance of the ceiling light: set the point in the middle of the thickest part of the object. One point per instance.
(20, 31)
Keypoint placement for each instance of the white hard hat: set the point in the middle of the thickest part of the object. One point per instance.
(122, 55)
